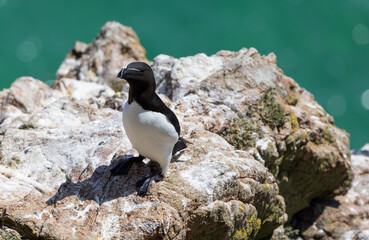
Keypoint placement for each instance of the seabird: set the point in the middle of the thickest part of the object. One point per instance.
(152, 128)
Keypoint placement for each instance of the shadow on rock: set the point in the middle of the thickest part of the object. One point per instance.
(363, 152)
(102, 186)
(306, 218)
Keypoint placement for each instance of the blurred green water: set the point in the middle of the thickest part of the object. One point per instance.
(323, 45)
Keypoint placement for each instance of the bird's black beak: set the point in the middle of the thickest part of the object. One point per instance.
(121, 73)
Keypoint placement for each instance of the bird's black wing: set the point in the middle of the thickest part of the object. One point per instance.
(157, 105)
(179, 147)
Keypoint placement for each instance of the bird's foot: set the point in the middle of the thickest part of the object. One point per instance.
(124, 167)
(144, 184)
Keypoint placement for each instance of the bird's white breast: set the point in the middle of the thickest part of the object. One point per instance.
(150, 133)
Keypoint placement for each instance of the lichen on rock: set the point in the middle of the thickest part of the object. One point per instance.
(271, 112)
(242, 133)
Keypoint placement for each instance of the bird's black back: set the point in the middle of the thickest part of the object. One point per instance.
(155, 104)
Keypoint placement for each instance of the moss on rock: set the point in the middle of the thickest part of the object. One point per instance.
(242, 133)
(299, 154)
(271, 111)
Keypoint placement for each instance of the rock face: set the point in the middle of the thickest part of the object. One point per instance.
(25, 97)
(56, 181)
(342, 217)
(260, 141)
(99, 62)
(246, 98)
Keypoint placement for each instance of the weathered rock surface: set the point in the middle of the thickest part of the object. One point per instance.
(257, 135)
(272, 118)
(56, 181)
(9, 234)
(25, 97)
(343, 217)
(116, 46)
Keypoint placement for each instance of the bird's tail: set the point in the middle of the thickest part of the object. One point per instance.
(185, 140)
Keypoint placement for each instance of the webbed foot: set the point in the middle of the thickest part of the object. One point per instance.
(144, 184)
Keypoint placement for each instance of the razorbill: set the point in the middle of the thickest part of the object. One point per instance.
(150, 125)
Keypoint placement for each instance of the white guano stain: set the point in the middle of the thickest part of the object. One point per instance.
(39, 216)
(81, 215)
(209, 178)
(263, 144)
(110, 227)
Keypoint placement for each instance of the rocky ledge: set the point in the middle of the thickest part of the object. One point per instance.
(262, 148)
(343, 217)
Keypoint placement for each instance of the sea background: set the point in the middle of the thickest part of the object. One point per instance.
(322, 45)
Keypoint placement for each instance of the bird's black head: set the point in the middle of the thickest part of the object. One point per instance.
(138, 74)
(140, 78)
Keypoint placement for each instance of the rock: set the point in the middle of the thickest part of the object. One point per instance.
(171, 72)
(9, 234)
(343, 217)
(55, 176)
(99, 62)
(256, 136)
(24, 97)
(88, 92)
(79, 90)
(246, 98)
(60, 167)
(61, 135)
